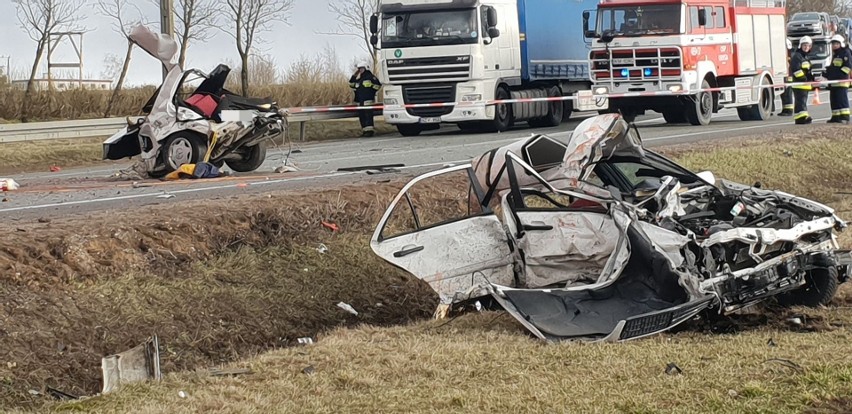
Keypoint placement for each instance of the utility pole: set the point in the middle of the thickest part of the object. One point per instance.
(167, 22)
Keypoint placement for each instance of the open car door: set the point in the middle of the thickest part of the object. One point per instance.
(455, 244)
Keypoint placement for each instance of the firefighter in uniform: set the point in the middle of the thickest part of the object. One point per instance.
(839, 70)
(787, 95)
(365, 85)
(800, 68)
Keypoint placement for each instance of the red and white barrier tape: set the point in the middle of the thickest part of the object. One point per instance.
(348, 108)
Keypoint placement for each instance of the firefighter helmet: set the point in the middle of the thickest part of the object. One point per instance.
(838, 38)
(363, 64)
(806, 41)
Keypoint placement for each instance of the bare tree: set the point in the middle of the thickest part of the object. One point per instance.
(195, 21)
(118, 11)
(353, 20)
(40, 18)
(247, 20)
(839, 7)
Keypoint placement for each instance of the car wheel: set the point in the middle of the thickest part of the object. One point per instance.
(820, 287)
(700, 110)
(252, 159)
(181, 148)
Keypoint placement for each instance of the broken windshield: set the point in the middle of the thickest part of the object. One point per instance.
(431, 28)
(640, 20)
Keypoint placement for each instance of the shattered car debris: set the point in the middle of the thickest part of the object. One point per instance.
(210, 124)
(601, 239)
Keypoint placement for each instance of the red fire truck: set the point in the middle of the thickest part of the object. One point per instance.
(664, 54)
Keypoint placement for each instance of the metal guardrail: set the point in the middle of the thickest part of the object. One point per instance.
(97, 128)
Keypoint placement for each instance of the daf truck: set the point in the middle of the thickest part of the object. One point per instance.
(447, 61)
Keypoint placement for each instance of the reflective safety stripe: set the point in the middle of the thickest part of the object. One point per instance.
(801, 115)
(799, 74)
(353, 84)
(837, 62)
(367, 84)
(844, 111)
(835, 112)
(789, 106)
(841, 85)
(377, 87)
(803, 87)
(846, 69)
(788, 79)
(806, 65)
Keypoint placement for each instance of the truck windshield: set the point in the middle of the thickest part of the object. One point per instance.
(429, 28)
(640, 20)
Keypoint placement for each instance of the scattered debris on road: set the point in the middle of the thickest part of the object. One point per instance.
(194, 171)
(55, 169)
(370, 168)
(322, 249)
(673, 369)
(216, 372)
(331, 226)
(61, 395)
(285, 169)
(8, 184)
(305, 341)
(309, 370)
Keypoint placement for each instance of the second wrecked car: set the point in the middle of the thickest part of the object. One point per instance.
(601, 239)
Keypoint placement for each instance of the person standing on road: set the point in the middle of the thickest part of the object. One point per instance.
(787, 95)
(800, 67)
(839, 70)
(365, 85)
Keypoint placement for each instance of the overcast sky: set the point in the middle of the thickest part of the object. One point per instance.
(284, 43)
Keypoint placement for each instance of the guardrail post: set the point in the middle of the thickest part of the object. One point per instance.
(302, 130)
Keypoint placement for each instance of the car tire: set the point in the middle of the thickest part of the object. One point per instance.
(252, 160)
(184, 147)
(819, 289)
(700, 110)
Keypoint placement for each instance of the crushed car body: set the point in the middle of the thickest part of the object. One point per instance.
(604, 240)
(209, 124)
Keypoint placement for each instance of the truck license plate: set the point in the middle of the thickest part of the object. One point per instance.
(430, 120)
(624, 61)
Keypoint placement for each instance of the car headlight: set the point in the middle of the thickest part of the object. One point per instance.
(675, 88)
(472, 97)
(601, 90)
(391, 101)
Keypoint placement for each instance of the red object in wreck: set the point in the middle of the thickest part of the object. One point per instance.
(205, 103)
(54, 168)
(331, 226)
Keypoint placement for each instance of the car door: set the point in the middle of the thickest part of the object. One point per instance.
(437, 230)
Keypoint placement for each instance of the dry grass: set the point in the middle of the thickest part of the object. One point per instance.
(226, 288)
(483, 363)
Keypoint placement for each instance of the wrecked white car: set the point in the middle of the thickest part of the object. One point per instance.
(209, 124)
(601, 239)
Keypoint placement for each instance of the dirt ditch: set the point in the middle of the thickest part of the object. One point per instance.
(216, 281)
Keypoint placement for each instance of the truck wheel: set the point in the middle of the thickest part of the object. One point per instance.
(554, 111)
(502, 113)
(819, 290)
(629, 116)
(252, 159)
(674, 116)
(409, 130)
(700, 110)
(762, 110)
(183, 147)
(567, 109)
(470, 126)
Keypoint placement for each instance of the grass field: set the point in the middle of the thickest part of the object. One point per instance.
(224, 292)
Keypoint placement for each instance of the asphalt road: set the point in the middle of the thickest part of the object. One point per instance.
(80, 191)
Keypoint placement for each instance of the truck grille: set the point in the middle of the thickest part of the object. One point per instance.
(427, 70)
(427, 95)
(636, 65)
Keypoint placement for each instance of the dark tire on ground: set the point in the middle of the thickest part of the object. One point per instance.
(183, 147)
(409, 130)
(819, 290)
(502, 113)
(763, 109)
(700, 111)
(554, 109)
(252, 160)
(674, 116)
(628, 116)
(470, 126)
(744, 113)
(567, 110)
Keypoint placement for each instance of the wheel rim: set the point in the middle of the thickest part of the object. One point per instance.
(502, 111)
(706, 104)
(180, 152)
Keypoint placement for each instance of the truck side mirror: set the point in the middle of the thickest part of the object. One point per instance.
(374, 24)
(586, 32)
(493, 32)
(702, 17)
(491, 17)
(374, 39)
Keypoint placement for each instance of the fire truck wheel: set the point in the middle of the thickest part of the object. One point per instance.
(759, 112)
(700, 110)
